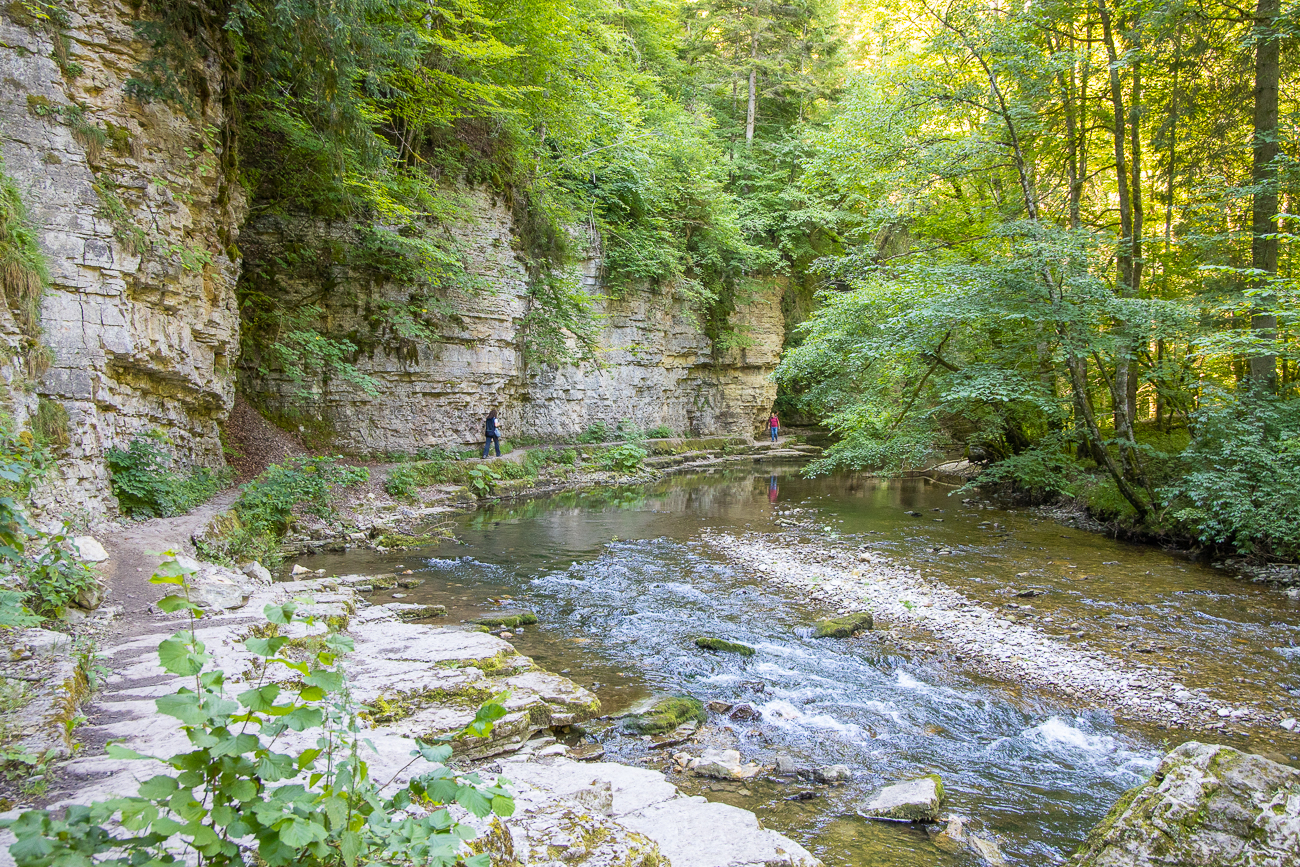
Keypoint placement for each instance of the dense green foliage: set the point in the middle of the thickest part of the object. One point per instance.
(1067, 253)
(258, 521)
(145, 484)
(39, 575)
(607, 125)
(242, 779)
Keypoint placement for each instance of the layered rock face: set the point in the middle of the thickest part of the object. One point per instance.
(137, 212)
(654, 364)
(1205, 805)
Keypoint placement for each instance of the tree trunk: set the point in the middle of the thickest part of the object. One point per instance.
(1128, 267)
(1263, 250)
(753, 89)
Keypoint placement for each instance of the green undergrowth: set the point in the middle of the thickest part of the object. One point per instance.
(1228, 481)
(256, 524)
(40, 576)
(146, 484)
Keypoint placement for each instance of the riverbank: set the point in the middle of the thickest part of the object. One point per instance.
(1020, 643)
(418, 680)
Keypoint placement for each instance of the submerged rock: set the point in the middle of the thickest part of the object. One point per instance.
(912, 801)
(721, 645)
(844, 627)
(667, 714)
(1205, 805)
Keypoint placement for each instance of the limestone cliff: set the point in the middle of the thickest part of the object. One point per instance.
(137, 211)
(654, 364)
(138, 208)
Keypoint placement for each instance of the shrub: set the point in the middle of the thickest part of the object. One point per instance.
(627, 458)
(50, 423)
(659, 432)
(54, 577)
(401, 481)
(237, 783)
(145, 485)
(595, 433)
(1240, 474)
(259, 519)
(39, 576)
(482, 479)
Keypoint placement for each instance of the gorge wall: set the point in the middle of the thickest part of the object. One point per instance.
(137, 213)
(653, 364)
(141, 219)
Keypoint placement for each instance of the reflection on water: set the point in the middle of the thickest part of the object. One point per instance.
(623, 588)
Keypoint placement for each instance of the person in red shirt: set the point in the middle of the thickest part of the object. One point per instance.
(774, 425)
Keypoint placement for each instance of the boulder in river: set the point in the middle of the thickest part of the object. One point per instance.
(913, 801)
(667, 714)
(508, 619)
(832, 774)
(1206, 804)
(721, 645)
(722, 765)
(844, 627)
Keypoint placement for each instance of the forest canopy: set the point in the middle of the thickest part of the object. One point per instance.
(1057, 238)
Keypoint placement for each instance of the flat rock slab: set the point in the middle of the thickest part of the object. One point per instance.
(689, 831)
(912, 801)
(1205, 805)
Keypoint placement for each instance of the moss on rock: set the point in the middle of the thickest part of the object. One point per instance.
(508, 619)
(721, 645)
(667, 714)
(844, 627)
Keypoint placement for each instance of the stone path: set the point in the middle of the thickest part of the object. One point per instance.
(425, 680)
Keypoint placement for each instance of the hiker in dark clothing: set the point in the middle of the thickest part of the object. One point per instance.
(493, 434)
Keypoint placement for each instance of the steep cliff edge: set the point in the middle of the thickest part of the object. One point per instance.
(137, 210)
(137, 207)
(653, 363)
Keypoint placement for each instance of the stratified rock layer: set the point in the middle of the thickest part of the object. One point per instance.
(136, 210)
(1206, 805)
(655, 365)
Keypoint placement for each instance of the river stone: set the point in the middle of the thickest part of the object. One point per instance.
(256, 571)
(1206, 804)
(843, 627)
(833, 774)
(667, 714)
(722, 765)
(508, 619)
(912, 801)
(721, 645)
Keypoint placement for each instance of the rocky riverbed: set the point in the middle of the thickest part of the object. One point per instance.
(1002, 643)
(421, 680)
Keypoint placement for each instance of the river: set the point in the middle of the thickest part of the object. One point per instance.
(623, 585)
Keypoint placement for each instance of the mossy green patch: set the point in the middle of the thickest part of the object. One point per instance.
(667, 714)
(397, 706)
(844, 627)
(508, 619)
(721, 645)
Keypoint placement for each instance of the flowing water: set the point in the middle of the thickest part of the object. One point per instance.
(623, 586)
